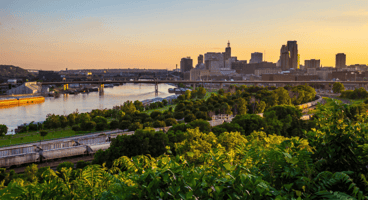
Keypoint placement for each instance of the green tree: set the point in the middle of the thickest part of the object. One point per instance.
(249, 123)
(71, 119)
(114, 124)
(164, 102)
(170, 121)
(338, 87)
(242, 106)
(190, 117)
(203, 125)
(66, 165)
(129, 107)
(221, 91)
(282, 96)
(63, 122)
(43, 133)
(138, 105)
(134, 126)
(159, 124)
(3, 129)
(188, 94)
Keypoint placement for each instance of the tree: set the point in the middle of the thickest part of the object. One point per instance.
(242, 106)
(71, 119)
(170, 121)
(63, 121)
(88, 126)
(179, 115)
(64, 165)
(164, 102)
(114, 124)
(338, 87)
(3, 129)
(282, 96)
(129, 107)
(159, 124)
(221, 91)
(43, 133)
(249, 123)
(124, 124)
(228, 127)
(189, 117)
(201, 92)
(138, 105)
(203, 125)
(134, 126)
(188, 94)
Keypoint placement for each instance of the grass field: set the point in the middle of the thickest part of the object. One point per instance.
(34, 136)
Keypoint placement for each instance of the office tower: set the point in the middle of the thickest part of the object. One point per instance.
(256, 57)
(340, 60)
(200, 59)
(312, 63)
(186, 64)
(293, 49)
(284, 57)
(227, 53)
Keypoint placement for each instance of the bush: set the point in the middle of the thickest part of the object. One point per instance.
(249, 123)
(134, 126)
(124, 124)
(147, 124)
(190, 117)
(227, 127)
(66, 165)
(204, 126)
(179, 115)
(88, 126)
(82, 164)
(3, 129)
(33, 126)
(170, 121)
(221, 91)
(76, 128)
(159, 124)
(155, 114)
(114, 124)
(338, 87)
(100, 119)
(101, 126)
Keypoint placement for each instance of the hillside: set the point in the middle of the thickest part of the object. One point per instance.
(13, 71)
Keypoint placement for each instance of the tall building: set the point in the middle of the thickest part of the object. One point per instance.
(293, 49)
(200, 59)
(312, 64)
(186, 64)
(340, 60)
(256, 57)
(284, 57)
(227, 53)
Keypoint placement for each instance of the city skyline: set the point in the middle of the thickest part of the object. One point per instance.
(112, 34)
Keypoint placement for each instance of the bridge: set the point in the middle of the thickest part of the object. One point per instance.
(315, 84)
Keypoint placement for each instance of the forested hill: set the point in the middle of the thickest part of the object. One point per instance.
(13, 71)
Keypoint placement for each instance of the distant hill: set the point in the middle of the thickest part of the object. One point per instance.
(13, 71)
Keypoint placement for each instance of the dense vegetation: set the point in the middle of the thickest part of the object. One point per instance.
(326, 162)
(11, 71)
(359, 93)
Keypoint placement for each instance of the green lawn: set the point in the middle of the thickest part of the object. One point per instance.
(34, 136)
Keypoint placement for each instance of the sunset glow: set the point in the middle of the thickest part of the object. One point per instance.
(55, 35)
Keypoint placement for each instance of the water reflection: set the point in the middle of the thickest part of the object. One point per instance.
(84, 102)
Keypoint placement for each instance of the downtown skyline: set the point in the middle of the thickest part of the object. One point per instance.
(157, 34)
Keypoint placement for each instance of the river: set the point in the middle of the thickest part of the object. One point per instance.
(12, 117)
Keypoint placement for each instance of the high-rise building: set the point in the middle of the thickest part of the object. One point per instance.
(293, 49)
(340, 60)
(284, 57)
(200, 59)
(186, 64)
(313, 63)
(227, 53)
(256, 57)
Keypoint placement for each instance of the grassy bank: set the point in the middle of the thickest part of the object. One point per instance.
(34, 136)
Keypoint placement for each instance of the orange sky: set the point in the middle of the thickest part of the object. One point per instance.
(55, 36)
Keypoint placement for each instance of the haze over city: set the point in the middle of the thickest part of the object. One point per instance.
(54, 35)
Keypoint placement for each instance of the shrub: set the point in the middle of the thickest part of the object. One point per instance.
(155, 114)
(100, 119)
(190, 117)
(114, 124)
(134, 126)
(66, 165)
(82, 164)
(147, 124)
(203, 125)
(33, 126)
(101, 126)
(170, 121)
(76, 128)
(3, 129)
(179, 115)
(159, 124)
(124, 124)
(88, 126)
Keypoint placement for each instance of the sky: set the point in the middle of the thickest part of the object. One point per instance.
(80, 34)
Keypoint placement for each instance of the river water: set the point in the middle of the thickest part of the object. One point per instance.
(12, 117)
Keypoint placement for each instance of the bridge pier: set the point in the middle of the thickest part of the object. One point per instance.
(156, 89)
(101, 89)
(194, 86)
(221, 85)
